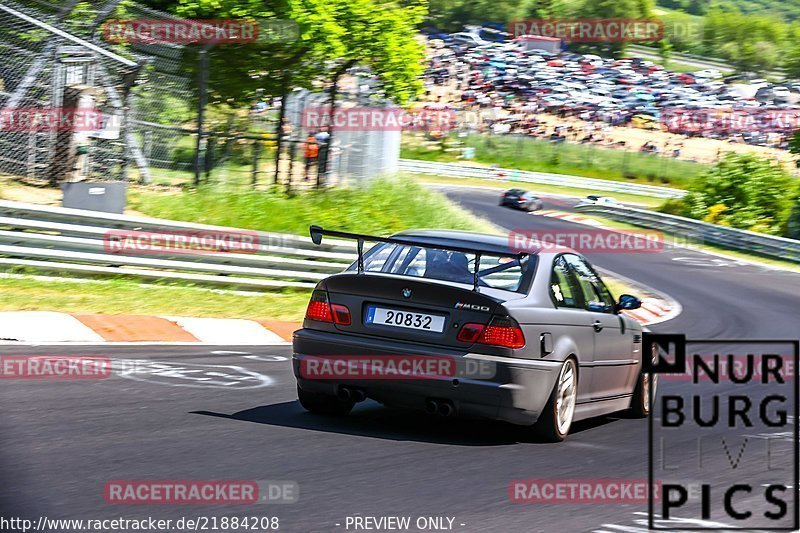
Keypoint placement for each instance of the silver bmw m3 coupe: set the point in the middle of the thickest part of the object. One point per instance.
(463, 324)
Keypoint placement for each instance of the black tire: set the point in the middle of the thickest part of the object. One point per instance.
(640, 403)
(547, 427)
(323, 404)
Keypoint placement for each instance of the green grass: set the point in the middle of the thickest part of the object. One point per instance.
(565, 158)
(121, 296)
(382, 207)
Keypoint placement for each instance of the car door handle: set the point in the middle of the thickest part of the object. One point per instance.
(597, 325)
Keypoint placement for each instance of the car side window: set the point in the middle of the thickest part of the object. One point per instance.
(596, 295)
(562, 285)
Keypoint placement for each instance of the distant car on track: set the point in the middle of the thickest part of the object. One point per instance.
(594, 199)
(542, 320)
(521, 199)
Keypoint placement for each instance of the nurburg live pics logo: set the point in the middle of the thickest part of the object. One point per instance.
(723, 447)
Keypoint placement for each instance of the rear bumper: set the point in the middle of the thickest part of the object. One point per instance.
(515, 390)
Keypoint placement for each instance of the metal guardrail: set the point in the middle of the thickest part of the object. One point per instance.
(58, 239)
(458, 170)
(703, 232)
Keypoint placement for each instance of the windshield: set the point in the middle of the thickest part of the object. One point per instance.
(506, 273)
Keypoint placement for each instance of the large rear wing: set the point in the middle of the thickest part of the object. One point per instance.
(317, 232)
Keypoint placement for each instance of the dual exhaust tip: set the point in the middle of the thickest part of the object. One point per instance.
(351, 394)
(433, 406)
(439, 407)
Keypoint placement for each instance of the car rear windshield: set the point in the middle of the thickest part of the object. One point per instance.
(506, 273)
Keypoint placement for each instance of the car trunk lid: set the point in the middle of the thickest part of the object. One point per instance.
(408, 309)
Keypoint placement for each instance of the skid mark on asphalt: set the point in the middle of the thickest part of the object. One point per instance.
(195, 375)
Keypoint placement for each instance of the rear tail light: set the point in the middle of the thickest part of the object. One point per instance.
(501, 331)
(470, 332)
(318, 307)
(341, 314)
(323, 311)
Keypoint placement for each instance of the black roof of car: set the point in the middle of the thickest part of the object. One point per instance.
(496, 243)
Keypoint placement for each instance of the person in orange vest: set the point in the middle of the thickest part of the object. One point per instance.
(311, 148)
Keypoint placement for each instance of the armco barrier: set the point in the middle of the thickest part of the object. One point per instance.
(57, 239)
(736, 239)
(71, 241)
(458, 170)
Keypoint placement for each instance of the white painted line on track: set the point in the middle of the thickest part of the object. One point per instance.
(233, 331)
(47, 326)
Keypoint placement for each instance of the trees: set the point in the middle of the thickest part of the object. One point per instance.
(752, 43)
(452, 15)
(743, 191)
(793, 222)
(376, 33)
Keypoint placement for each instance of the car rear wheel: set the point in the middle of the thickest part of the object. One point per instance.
(556, 418)
(323, 404)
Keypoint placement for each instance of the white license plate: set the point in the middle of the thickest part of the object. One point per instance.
(405, 319)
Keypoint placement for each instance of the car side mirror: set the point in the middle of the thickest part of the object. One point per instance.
(626, 301)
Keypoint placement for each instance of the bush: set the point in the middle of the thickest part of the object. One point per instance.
(716, 214)
(183, 157)
(793, 222)
(744, 191)
(674, 206)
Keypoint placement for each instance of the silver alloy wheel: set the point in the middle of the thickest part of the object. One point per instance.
(566, 392)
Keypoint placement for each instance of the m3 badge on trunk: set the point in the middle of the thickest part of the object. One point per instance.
(472, 307)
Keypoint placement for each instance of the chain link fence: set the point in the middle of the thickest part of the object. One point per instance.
(56, 57)
(47, 70)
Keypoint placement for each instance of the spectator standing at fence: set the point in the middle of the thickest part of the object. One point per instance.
(323, 140)
(311, 150)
